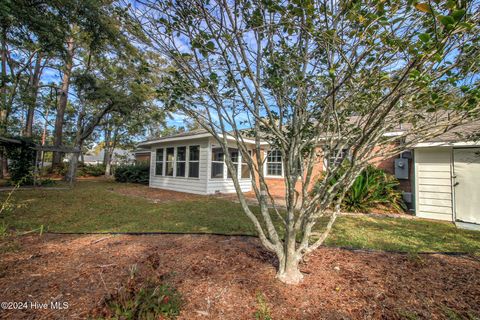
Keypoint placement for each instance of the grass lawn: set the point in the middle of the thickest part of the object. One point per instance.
(94, 206)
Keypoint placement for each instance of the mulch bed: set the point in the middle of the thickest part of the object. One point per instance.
(220, 278)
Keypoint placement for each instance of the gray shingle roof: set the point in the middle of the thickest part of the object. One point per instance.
(465, 132)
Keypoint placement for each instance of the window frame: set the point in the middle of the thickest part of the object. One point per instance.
(180, 161)
(345, 155)
(222, 162)
(236, 164)
(187, 170)
(173, 162)
(162, 161)
(266, 162)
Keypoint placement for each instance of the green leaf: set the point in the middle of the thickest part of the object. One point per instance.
(424, 7)
(466, 25)
(210, 45)
(458, 14)
(425, 37)
(446, 20)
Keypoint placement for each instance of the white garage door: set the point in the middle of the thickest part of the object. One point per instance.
(467, 184)
(433, 183)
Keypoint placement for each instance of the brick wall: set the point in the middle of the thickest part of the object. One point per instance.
(276, 186)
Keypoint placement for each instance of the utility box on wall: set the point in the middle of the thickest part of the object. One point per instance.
(401, 168)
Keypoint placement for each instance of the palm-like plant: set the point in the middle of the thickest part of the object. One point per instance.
(373, 188)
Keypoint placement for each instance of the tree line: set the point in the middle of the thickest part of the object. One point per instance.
(74, 72)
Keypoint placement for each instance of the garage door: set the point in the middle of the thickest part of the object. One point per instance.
(467, 184)
(433, 183)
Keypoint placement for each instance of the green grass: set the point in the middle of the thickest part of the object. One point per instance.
(396, 234)
(93, 206)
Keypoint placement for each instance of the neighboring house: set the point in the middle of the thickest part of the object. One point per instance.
(193, 162)
(118, 156)
(142, 155)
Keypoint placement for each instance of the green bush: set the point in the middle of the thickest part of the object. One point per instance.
(138, 173)
(61, 169)
(22, 160)
(94, 170)
(148, 302)
(47, 182)
(373, 189)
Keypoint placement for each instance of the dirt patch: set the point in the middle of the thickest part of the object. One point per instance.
(156, 195)
(220, 278)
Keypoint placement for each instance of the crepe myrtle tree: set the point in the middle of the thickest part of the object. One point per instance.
(313, 79)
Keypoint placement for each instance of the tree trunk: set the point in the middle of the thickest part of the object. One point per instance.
(288, 271)
(62, 104)
(3, 109)
(32, 96)
(108, 166)
(106, 150)
(72, 169)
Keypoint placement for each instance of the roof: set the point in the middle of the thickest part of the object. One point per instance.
(116, 155)
(465, 132)
(197, 133)
(177, 135)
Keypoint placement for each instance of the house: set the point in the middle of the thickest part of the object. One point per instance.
(442, 174)
(142, 155)
(193, 162)
(118, 156)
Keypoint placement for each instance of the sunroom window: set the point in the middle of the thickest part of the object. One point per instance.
(170, 160)
(234, 157)
(181, 161)
(159, 162)
(194, 161)
(217, 162)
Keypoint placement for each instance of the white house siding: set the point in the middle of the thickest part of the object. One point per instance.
(204, 184)
(433, 185)
(181, 184)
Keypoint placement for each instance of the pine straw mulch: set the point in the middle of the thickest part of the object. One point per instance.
(220, 278)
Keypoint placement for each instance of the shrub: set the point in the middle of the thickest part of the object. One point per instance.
(61, 169)
(22, 160)
(263, 310)
(139, 173)
(47, 182)
(94, 170)
(147, 302)
(373, 188)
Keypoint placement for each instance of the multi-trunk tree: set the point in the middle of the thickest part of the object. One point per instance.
(316, 79)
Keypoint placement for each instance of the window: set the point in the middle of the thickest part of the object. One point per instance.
(245, 174)
(159, 162)
(274, 163)
(193, 161)
(170, 160)
(234, 157)
(181, 161)
(336, 157)
(217, 162)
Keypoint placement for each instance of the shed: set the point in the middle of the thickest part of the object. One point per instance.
(447, 177)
